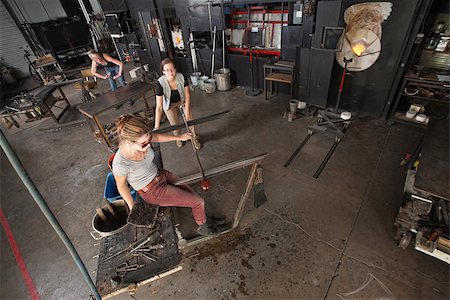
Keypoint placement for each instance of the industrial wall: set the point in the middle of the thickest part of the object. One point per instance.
(11, 45)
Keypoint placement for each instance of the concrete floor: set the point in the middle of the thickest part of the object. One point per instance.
(314, 238)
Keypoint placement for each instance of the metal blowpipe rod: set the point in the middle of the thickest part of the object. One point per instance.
(205, 183)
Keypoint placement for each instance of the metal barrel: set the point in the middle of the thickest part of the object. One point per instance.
(223, 79)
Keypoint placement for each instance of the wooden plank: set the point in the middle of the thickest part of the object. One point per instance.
(244, 197)
(279, 77)
(156, 277)
(285, 63)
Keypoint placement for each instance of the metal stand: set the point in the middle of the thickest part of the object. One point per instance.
(253, 92)
(329, 123)
(254, 162)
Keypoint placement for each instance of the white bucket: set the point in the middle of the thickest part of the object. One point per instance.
(201, 82)
(223, 79)
(210, 86)
(194, 78)
(301, 105)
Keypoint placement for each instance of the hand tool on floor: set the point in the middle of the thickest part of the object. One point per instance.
(147, 256)
(205, 184)
(151, 247)
(259, 194)
(131, 248)
(125, 267)
(139, 246)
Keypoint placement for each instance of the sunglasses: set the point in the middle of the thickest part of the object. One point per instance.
(144, 144)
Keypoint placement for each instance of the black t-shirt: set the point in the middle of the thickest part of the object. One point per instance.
(174, 95)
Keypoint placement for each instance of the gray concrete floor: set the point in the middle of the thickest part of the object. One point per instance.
(314, 238)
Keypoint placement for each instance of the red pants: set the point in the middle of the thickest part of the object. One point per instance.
(164, 193)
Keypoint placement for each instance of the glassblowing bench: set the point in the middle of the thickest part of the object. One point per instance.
(92, 109)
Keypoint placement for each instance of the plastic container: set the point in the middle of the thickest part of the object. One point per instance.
(194, 78)
(301, 105)
(223, 79)
(410, 114)
(201, 82)
(293, 105)
(111, 193)
(210, 86)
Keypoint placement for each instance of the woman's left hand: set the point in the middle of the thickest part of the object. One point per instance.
(186, 136)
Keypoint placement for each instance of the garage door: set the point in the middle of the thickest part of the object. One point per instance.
(12, 44)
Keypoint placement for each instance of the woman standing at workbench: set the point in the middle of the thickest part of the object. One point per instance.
(113, 68)
(172, 91)
(133, 163)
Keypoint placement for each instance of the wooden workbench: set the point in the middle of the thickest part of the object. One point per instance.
(92, 109)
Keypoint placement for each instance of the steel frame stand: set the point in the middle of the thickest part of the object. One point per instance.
(252, 92)
(254, 162)
(329, 123)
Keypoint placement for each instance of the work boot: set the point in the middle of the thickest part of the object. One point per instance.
(197, 143)
(177, 133)
(213, 221)
(205, 230)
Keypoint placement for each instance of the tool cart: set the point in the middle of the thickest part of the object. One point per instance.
(426, 207)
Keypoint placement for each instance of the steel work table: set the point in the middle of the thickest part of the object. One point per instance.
(92, 109)
(433, 172)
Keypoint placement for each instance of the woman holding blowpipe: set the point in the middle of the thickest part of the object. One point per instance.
(172, 90)
(133, 164)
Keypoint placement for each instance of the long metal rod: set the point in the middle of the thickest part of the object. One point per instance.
(341, 86)
(192, 122)
(328, 156)
(222, 169)
(325, 160)
(210, 18)
(298, 150)
(18, 167)
(192, 142)
(223, 47)
(213, 59)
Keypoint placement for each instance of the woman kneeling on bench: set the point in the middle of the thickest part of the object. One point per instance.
(133, 163)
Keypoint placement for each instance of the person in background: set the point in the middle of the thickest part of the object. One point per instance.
(133, 163)
(172, 91)
(113, 68)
